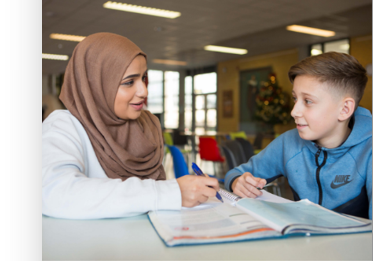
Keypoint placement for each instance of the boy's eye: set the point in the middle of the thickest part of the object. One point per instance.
(294, 99)
(308, 101)
(144, 77)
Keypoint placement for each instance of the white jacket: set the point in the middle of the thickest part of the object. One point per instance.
(75, 186)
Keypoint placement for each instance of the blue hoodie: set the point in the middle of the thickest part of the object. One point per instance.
(339, 179)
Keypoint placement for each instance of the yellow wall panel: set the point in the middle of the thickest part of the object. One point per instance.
(229, 79)
(361, 49)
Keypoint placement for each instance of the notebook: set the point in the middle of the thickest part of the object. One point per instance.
(243, 219)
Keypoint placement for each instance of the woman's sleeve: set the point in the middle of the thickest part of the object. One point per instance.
(68, 193)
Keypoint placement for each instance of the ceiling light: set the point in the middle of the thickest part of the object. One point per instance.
(310, 30)
(169, 62)
(141, 10)
(59, 57)
(316, 52)
(67, 37)
(222, 49)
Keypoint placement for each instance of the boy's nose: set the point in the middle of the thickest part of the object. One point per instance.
(296, 112)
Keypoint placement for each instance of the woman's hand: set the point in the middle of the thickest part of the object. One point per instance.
(195, 190)
(246, 186)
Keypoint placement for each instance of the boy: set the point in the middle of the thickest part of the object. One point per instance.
(328, 158)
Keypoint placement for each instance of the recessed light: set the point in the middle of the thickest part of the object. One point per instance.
(59, 57)
(223, 49)
(316, 52)
(67, 37)
(141, 10)
(169, 62)
(310, 30)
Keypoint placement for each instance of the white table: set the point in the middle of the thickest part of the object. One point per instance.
(135, 239)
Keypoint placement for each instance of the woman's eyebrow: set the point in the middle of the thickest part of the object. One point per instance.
(132, 75)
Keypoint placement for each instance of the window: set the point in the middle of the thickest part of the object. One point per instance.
(171, 100)
(163, 96)
(188, 106)
(163, 99)
(155, 91)
(341, 46)
(205, 86)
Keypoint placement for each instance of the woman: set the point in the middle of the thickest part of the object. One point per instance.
(102, 157)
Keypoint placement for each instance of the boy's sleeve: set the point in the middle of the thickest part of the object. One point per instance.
(368, 185)
(268, 164)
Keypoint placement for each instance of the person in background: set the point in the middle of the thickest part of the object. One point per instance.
(102, 157)
(327, 159)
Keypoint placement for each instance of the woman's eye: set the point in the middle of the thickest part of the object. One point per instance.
(308, 101)
(128, 83)
(294, 99)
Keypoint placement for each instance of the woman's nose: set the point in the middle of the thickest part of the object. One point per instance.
(142, 90)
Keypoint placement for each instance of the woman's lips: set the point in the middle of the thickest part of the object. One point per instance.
(137, 106)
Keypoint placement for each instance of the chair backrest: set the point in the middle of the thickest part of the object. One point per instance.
(247, 148)
(180, 166)
(231, 162)
(240, 134)
(179, 139)
(235, 147)
(209, 149)
(258, 141)
(168, 138)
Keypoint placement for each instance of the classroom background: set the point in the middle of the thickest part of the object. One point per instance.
(217, 70)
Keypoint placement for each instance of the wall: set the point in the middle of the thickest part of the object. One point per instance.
(361, 49)
(228, 79)
(229, 73)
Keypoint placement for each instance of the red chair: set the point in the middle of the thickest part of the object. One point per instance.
(209, 151)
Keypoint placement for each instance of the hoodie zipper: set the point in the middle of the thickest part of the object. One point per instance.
(318, 171)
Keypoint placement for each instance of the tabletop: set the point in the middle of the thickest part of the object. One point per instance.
(135, 239)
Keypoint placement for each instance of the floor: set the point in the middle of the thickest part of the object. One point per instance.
(208, 167)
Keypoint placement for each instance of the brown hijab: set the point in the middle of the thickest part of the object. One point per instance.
(124, 148)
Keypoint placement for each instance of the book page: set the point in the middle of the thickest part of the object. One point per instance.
(209, 222)
(266, 196)
(304, 213)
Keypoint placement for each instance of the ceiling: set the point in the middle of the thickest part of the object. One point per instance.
(256, 25)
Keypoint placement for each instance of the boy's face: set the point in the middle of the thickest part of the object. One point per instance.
(315, 111)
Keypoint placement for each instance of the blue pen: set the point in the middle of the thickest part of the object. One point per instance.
(199, 172)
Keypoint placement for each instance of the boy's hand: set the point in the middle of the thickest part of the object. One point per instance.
(195, 190)
(246, 186)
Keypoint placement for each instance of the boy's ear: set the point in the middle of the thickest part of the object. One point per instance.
(348, 107)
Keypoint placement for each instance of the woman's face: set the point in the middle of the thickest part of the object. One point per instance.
(132, 90)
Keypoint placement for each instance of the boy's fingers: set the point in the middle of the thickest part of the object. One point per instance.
(245, 189)
(256, 182)
(253, 191)
(238, 192)
(246, 193)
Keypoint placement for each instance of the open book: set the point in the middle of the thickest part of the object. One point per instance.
(267, 216)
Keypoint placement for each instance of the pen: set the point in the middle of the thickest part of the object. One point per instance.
(267, 185)
(199, 172)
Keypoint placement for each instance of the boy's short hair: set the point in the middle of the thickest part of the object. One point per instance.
(342, 71)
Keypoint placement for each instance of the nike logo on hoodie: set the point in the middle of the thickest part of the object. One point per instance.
(339, 181)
